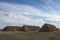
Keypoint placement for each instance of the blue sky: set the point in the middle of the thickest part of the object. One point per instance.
(29, 12)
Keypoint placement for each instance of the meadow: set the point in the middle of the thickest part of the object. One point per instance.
(29, 35)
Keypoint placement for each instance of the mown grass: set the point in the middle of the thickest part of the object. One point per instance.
(29, 35)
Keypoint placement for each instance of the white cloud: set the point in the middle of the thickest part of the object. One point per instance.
(54, 17)
(15, 13)
(0, 12)
(12, 14)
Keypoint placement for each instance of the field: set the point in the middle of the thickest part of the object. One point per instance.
(29, 35)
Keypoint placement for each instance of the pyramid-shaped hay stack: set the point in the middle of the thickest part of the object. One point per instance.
(48, 28)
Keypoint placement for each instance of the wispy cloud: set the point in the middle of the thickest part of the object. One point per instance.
(16, 14)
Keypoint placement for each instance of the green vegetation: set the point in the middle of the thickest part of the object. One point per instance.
(29, 35)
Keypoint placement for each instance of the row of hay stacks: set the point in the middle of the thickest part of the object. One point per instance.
(27, 28)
